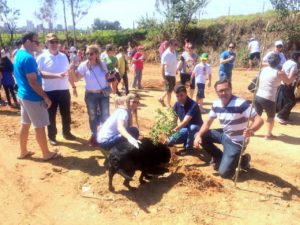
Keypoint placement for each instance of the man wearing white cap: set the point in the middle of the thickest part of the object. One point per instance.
(54, 66)
(278, 50)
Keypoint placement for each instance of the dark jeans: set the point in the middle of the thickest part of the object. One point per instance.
(185, 136)
(228, 159)
(125, 79)
(9, 90)
(98, 109)
(107, 145)
(60, 99)
(285, 101)
(223, 75)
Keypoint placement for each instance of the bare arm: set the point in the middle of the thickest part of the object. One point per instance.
(204, 128)
(183, 123)
(48, 75)
(31, 77)
(287, 78)
(163, 71)
(256, 123)
(224, 61)
(121, 128)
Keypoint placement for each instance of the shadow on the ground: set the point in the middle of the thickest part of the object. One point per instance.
(9, 112)
(295, 119)
(79, 144)
(152, 192)
(258, 175)
(284, 138)
(88, 165)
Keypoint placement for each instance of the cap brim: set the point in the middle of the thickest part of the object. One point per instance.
(203, 58)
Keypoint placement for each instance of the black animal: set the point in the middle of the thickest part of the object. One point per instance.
(125, 159)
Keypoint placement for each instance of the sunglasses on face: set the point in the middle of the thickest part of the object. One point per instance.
(90, 53)
(231, 47)
(53, 42)
(279, 46)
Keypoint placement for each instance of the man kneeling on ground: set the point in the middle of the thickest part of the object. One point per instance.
(189, 120)
(233, 114)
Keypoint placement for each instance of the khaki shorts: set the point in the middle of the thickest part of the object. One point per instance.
(34, 113)
(170, 82)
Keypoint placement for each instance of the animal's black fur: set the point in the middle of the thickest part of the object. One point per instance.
(125, 159)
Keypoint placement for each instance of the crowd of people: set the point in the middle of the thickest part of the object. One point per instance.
(44, 79)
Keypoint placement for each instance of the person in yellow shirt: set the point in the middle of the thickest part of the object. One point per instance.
(123, 68)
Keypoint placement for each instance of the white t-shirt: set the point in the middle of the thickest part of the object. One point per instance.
(288, 66)
(54, 64)
(90, 74)
(281, 55)
(268, 83)
(169, 60)
(254, 46)
(110, 126)
(201, 72)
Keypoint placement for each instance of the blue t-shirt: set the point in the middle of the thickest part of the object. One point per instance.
(24, 64)
(190, 108)
(227, 67)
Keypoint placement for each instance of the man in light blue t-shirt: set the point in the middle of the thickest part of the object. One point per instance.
(227, 59)
(33, 100)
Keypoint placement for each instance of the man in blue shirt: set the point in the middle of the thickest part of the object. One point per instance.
(33, 100)
(189, 120)
(227, 59)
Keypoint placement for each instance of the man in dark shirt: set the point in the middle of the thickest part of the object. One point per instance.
(189, 120)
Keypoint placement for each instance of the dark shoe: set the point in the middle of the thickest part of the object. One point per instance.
(245, 163)
(52, 141)
(184, 152)
(215, 163)
(69, 136)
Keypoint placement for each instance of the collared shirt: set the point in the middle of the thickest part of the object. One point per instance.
(190, 108)
(233, 117)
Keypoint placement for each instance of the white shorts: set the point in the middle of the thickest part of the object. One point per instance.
(34, 113)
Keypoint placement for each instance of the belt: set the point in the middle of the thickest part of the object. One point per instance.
(95, 91)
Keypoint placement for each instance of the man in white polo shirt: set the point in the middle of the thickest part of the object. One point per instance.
(54, 65)
(168, 68)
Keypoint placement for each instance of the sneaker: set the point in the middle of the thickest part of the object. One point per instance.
(245, 163)
(281, 121)
(52, 141)
(69, 136)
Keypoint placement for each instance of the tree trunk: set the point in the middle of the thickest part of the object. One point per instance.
(73, 19)
(65, 20)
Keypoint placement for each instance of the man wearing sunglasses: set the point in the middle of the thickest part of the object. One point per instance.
(277, 50)
(33, 100)
(227, 59)
(54, 67)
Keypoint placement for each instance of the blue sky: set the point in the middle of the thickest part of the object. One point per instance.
(128, 11)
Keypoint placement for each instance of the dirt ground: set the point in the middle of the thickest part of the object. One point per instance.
(74, 189)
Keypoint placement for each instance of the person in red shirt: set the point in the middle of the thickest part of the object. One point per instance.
(138, 61)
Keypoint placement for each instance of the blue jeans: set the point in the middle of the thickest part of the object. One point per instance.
(108, 144)
(228, 159)
(185, 136)
(223, 75)
(98, 109)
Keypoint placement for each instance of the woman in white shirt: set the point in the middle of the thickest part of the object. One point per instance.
(118, 127)
(96, 89)
(269, 81)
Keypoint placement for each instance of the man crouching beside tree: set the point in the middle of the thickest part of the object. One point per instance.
(233, 114)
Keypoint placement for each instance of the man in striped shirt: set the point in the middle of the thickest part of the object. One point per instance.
(233, 114)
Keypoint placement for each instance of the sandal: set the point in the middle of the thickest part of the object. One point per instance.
(27, 155)
(55, 155)
(270, 137)
(162, 102)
